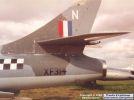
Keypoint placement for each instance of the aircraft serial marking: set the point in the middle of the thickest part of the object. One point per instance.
(54, 71)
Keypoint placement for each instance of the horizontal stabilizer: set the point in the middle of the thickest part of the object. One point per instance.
(84, 39)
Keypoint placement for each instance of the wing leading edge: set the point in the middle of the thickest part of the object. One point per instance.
(84, 39)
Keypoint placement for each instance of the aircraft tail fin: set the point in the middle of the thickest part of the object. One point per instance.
(76, 20)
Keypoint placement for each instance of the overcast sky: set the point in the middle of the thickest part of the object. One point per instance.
(21, 17)
(115, 15)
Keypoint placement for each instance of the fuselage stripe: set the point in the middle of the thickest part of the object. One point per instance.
(60, 28)
(69, 28)
(65, 28)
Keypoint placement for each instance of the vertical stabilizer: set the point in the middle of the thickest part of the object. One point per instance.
(79, 19)
(76, 20)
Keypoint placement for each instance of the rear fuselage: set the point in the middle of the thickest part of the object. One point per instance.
(53, 65)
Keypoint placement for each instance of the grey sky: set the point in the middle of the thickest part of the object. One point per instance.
(115, 15)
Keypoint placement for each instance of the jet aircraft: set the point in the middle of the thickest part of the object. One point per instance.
(53, 55)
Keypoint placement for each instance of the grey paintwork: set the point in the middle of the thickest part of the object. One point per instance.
(39, 60)
(73, 65)
(42, 65)
(52, 65)
(82, 25)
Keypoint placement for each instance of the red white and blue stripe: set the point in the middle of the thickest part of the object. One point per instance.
(65, 28)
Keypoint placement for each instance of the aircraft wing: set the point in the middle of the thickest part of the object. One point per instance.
(80, 39)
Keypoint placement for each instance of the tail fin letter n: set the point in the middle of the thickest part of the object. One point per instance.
(75, 14)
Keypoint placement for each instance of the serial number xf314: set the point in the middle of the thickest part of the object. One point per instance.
(54, 71)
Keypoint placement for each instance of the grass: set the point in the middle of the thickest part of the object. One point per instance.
(72, 92)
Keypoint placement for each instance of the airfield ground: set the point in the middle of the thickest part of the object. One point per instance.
(73, 92)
